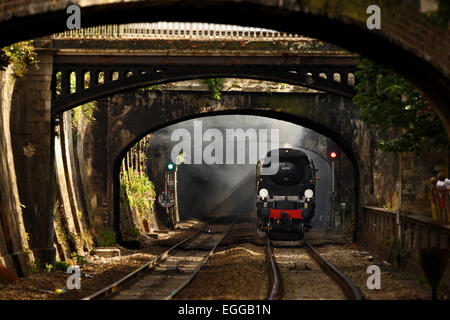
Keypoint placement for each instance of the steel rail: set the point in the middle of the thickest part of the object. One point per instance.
(274, 294)
(195, 272)
(350, 290)
(125, 280)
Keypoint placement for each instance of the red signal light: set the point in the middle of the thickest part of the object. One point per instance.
(333, 155)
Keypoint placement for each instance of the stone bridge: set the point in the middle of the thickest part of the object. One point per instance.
(408, 42)
(33, 116)
(125, 118)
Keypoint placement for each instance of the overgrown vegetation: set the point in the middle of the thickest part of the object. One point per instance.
(106, 238)
(22, 55)
(62, 266)
(391, 104)
(34, 266)
(156, 87)
(85, 111)
(138, 190)
(215, 85)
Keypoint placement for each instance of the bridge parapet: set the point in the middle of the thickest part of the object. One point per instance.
(399, 239)
(179, 31)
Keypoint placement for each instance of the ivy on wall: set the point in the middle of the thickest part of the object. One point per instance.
(215, 85)
(137, 191)
(394, 106)
(22, 55)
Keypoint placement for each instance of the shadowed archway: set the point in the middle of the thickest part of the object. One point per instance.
(408, 42)
(298, 120)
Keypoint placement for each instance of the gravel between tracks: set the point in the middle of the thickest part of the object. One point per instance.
(237, 270)
(102, 272)
(353, 260)
(303, 278)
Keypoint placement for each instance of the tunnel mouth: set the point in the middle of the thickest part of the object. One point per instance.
(197, 198)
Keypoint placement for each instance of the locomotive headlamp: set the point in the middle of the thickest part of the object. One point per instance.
(309, 193)
(263, 193)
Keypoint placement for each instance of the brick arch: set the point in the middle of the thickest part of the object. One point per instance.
(133, 115)
(408, 42)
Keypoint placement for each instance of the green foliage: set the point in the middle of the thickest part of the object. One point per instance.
(61, 266)
(137, 189)
(48, 267)
(421, 281)
(395, 107)
(22, 55)
(79, 259)
(155, 87)
(85, 111)
(34, 267)
(74, 257)
(180, 158)
(215, 85)
(106, 238)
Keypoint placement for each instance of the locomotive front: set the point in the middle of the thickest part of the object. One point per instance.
(285, 200)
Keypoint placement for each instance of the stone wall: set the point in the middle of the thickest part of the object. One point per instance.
(71, 223)
(31, 144)
(39, 179)
(408, 42)
(134, 114)
(399, 239)
(14, 249)
(124, 118)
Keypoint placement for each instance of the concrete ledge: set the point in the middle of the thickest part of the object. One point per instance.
(105, 252)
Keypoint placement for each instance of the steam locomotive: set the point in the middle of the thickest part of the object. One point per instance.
(285, 199)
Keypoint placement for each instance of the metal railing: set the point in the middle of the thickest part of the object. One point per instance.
(177, 31)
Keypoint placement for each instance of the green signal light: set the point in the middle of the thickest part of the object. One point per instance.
(170, 166)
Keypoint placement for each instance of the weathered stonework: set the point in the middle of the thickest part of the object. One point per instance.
(125, 118)
(408, 42)
(31, 138)
(14, 252)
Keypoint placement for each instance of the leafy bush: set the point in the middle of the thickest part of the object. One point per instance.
(22, 55)
(61, 266)
(106, 238)
(79, 259)
(215, 85)
(138, 190)
(389, 102)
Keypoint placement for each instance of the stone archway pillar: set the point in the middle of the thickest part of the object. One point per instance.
(32, 142)
(13, 244)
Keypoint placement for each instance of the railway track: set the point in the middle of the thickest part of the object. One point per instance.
(348, 289)
(166, 275)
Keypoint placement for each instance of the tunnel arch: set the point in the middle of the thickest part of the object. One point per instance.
(412, 46)
(298, 120)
